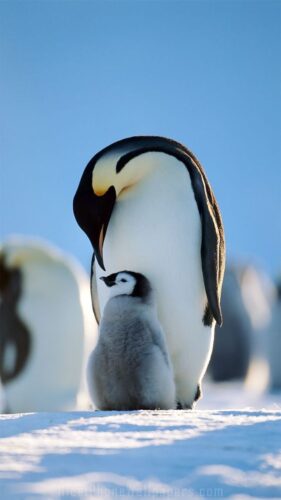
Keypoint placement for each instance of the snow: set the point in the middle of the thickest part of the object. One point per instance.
(204, 453)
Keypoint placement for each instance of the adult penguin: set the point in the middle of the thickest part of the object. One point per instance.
(234, 343)
(146, 205)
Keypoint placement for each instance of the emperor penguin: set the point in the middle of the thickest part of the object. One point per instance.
(44, 327)
(146, 205)
(273, 332)
(233, 345)
(130, 368)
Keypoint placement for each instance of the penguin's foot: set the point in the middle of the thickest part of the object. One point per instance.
(184, 406)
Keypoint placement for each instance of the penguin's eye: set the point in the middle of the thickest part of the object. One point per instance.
(123, 280)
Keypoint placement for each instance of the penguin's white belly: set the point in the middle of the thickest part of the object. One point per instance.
(155, 229)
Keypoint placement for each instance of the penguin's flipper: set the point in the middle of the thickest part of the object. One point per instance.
(15, 338)
(94, 291)
(212, 255)
(15, 348)
(212, 246)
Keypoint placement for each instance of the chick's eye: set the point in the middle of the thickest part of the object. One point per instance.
(123, 280)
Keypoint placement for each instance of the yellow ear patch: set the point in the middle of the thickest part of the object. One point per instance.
(103, 175)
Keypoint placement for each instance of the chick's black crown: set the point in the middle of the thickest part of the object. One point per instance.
(142, 287)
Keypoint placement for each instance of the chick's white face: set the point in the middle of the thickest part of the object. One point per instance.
(124, 284)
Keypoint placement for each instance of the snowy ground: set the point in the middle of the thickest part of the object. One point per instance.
(207, 453)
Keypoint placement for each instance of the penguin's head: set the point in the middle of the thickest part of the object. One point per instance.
(128, 283)
(110, 173)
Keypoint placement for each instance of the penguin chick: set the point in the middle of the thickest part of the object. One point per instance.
(130, 368)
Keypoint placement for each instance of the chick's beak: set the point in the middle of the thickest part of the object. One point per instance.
(108, 280)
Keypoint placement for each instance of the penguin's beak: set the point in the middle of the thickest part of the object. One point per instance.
(93, 214)
(108, 280)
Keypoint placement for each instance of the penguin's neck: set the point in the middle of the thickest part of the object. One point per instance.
(135, 172)
(150, 180)
(122, 305)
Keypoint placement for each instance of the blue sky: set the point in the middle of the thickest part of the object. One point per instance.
(77, 75)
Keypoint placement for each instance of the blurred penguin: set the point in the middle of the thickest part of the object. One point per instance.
(240, 346)
(43, 315)
(130, 368)
(274, 342)
(233, 341)
(258, 296)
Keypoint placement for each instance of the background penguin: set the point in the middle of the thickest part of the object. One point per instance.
(44, 321)
(146, 205)
(233, 346)
(241, 346)
(15, 339)
(258, 295)
(130, 367)
(274, 341)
